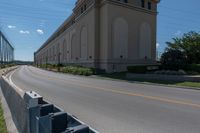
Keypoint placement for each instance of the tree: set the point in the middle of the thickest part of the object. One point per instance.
(189, 44)
(173, 59)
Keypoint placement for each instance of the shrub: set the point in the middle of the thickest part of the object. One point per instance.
(137, 69)
(77, 70)
(98, 71)
(42, 66)
(3, 66)
(170, 72)
(173, 60)
(142, 68)
(193, 67)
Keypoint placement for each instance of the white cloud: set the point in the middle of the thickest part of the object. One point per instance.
(39, 31)
(24, 32)
(11, 26)
(157, 45)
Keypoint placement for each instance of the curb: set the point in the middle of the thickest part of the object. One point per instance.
(138, 82)
(147, 83)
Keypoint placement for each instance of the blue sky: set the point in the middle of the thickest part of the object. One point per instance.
(29, 23)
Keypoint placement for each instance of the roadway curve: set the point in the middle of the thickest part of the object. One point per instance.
(116, 106)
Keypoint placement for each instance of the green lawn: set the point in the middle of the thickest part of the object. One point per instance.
(189, 84)
(3, 128)
(122, 76)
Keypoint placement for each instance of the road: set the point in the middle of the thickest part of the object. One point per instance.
(116, 106)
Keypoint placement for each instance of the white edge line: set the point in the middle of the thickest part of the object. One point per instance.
(12, 83)
(18, 88)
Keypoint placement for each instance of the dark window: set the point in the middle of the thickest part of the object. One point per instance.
(142, 3)
(149, 5)
(125, 1)
(81, 9)
(85, 7)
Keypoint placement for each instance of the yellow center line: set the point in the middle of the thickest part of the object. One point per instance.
(167, 100)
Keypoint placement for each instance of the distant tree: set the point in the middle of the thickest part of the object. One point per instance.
(173, 59)
(189, 44)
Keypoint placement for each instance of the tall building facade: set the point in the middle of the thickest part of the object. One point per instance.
(105, 34)
(6, 50)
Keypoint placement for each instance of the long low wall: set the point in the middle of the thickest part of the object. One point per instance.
(31, 114)
(17, 105)
(178, 78)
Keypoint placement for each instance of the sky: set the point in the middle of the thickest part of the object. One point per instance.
(29, 23)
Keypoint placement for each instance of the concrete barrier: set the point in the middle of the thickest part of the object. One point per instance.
(16, 103)
(32, 114)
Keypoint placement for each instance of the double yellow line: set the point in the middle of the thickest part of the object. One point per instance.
(166, 100)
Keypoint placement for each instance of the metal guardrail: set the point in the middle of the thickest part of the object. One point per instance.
(44, 117)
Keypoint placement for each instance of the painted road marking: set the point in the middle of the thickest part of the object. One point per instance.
(166, 100)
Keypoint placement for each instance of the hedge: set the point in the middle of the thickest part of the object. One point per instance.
(142, 68)
(77, 70)
(6, 65)
(193, 67)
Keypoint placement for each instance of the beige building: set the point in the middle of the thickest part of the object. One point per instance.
(106, 34)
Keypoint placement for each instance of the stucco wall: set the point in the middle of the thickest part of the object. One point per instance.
(109, 35)
(69, 44)
(133, 19)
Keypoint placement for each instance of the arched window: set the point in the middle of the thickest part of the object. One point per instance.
(84, 43)
(73, 43)
(64, 50)
(120, 39)
(75, 48)
(145, 41)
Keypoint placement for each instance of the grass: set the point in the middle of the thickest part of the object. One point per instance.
(189, 84)
(3, 128)
(122, 76)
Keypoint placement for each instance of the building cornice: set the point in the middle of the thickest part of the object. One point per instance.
(130, 6)
(96, 3)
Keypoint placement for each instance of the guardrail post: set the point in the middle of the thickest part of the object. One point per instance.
(44, 117)
(32, 100)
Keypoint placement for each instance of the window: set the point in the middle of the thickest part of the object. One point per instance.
(142, 3)
(81, 9)
(125, 1)
(149, 5)
(85, 7)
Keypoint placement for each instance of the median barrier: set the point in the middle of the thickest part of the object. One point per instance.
(32, 114)
(16, 104)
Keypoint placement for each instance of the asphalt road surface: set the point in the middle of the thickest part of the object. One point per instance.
(116, 106)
